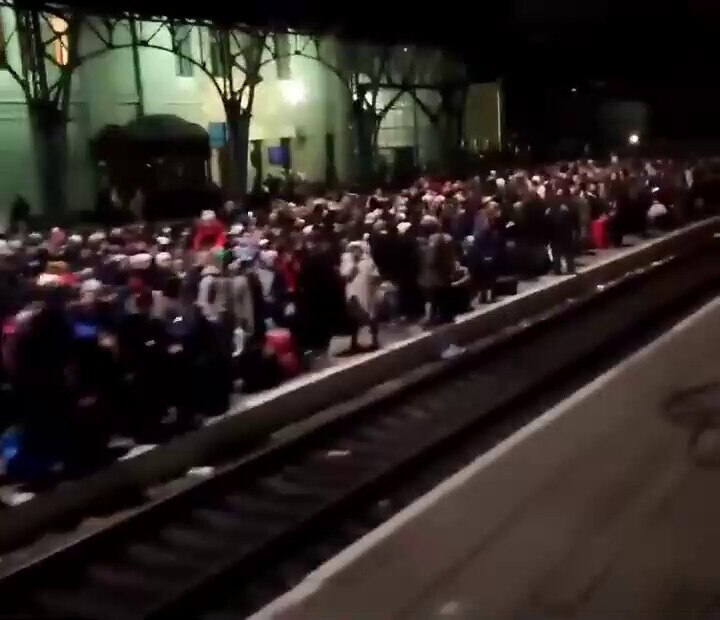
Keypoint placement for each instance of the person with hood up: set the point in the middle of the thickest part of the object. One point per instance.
(362, 281)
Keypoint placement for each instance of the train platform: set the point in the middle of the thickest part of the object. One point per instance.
(605, 506)
(257, 418)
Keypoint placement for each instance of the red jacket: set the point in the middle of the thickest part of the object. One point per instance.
(288, 268)
(209, 235)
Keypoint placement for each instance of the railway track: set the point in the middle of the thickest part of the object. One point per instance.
(222, 548)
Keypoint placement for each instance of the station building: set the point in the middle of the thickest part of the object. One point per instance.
(301, 110)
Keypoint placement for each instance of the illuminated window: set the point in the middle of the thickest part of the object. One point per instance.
(182, 44)
(61, 50)
(3, 51)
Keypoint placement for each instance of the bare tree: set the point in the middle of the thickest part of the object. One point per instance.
(230, 57)
(42, 69)
(54, 45)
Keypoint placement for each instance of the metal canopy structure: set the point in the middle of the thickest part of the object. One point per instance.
(235, 70)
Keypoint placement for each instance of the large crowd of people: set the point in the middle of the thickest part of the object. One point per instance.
(144, 330)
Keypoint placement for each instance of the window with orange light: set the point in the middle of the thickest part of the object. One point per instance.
(60, 47)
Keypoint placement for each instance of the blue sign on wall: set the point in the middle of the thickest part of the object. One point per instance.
(217, 135)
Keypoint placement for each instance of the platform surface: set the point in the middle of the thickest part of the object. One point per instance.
(595, 511)
(395, 335)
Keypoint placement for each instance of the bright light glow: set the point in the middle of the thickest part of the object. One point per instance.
(573, 90)
(634, 138)
(293, 91)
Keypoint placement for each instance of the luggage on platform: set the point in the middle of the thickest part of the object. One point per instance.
(506, 286)
(280, 342)
(538, 262)
(598, 232)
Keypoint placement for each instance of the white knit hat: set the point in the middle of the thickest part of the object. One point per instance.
(163, 259)
(141, 261)
(90, 286)
(48, 279)
(358, 245)
(403, 227)
(268, 257)
(208, 215)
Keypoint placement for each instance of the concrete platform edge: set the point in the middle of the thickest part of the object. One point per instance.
(557, 432)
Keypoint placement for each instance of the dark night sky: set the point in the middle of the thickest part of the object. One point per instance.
(663, 52)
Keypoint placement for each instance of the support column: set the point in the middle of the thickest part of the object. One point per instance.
(49, 131)
(238, 127)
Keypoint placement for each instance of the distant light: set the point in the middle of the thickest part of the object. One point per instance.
(405, 49)
(573, 90)
(634, 138)
(293, 91)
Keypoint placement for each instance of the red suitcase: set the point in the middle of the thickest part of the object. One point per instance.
(280, 342)
(598, 232)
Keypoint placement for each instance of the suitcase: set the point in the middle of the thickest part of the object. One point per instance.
(280, 342)
(598, 233)
(505, 286)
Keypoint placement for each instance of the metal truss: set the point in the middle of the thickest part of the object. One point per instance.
(239, 49)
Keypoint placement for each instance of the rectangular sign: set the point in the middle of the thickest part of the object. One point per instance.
(217, 135)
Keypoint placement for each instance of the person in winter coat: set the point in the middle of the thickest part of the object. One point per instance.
(658, 214)
(410, 298)
(442, 271)
(213, 294)
(210, 233)
(42, 348)
(143, 350)
(273, 286)
(362, 281)
(562, 225)
(321, 307)
(483, 257)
